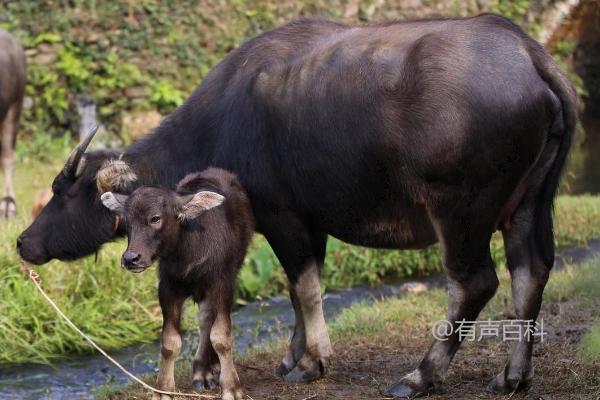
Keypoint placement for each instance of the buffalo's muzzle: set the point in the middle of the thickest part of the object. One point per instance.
(31, 251)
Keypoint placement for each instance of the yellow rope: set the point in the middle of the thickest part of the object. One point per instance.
(35, 277)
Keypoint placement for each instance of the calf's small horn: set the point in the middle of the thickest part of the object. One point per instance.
(75, 156)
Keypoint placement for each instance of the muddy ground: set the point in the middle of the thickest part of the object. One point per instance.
(363, 368)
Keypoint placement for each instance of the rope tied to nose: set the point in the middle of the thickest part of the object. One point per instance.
(37, 281)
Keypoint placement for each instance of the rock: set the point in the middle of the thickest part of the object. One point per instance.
(92, 37)
(136, 92)
(27, 103)
(412, 4)
(414, 287)
(103, 42)
(44, 58)
(138, 123)
(49, 47)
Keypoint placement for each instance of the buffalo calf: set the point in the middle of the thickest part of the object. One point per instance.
(200, 234)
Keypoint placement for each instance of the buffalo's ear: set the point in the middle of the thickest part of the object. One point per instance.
(193, 206)
(114, 202)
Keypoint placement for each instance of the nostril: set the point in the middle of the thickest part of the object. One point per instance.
(130, 257)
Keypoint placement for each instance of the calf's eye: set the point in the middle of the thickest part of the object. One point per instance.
(155, 220)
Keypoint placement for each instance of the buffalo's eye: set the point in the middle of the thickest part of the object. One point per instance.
(155, 220)
(55, 189)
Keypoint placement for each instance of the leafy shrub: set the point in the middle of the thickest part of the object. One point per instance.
(164, 96)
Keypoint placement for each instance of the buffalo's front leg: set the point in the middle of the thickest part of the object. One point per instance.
(205, 367)
(472, 281)
(317, 346)
(301, 253)
(171, 304)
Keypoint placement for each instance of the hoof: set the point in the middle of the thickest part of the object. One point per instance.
(405, 390)
(300, 374)
(158, 396)
(235, 394)
(8, 207)
(200, 385)
(282, 370)
(501, 384)
(412, 385)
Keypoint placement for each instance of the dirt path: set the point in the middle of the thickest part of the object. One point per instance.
(363, 368)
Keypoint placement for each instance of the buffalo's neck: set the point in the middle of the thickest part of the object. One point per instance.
(179, 145)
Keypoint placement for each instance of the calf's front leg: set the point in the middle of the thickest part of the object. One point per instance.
(221, 338)
(171, 304)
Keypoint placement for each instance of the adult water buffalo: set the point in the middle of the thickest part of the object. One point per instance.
(395, 135)
(12, 90)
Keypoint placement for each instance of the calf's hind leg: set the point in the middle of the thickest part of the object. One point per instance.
(472, 281)
(171, 304)
(221, 338)
(205, 367)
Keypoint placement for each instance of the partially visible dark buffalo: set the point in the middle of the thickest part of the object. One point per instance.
(395, 135)
(12, 89)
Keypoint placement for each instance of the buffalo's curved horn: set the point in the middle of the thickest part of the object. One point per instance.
(75, 156)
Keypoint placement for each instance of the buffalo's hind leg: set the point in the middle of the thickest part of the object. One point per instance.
(301, 253)
(472, 281)
(8, 129)
(529, 275)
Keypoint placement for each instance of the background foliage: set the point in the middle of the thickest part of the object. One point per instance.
(141, 55)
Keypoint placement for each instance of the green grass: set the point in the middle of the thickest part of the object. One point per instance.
(96, 295)
(119, 309)
(590, 345)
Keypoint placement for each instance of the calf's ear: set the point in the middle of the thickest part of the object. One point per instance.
(113, 202)
(195, 205)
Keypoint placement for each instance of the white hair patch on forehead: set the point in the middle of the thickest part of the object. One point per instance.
(114, 175)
